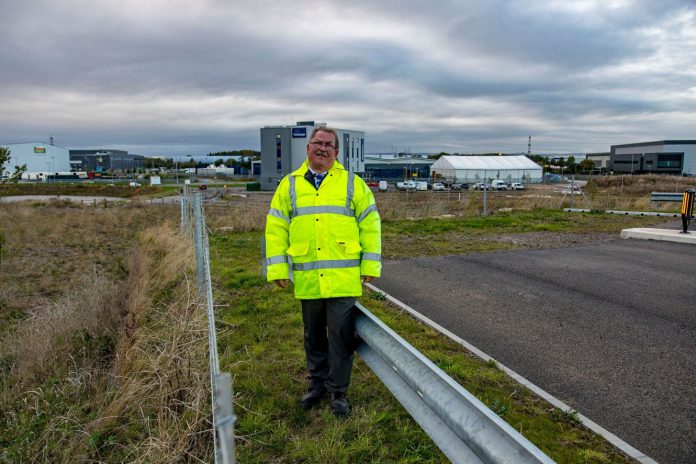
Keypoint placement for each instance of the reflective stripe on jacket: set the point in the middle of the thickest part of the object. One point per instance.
(332, 235)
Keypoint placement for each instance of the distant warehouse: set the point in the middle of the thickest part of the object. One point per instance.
(477, 168)
(40, 158)
(661, 157)
(102, 159)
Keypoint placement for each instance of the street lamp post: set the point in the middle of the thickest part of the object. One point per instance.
(176, 170)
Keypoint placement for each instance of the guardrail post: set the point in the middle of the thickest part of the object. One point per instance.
(687, 209)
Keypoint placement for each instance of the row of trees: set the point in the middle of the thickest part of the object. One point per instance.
(564, 165)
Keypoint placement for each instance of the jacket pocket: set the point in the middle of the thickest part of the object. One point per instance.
(349, 247)
(298, 249)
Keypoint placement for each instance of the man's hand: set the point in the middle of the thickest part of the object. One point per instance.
(282, 283)
(367, 279)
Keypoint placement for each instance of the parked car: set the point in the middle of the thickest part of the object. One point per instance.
(481, 186)
(462, 186)
(517, 186)
(382, 185)
(202, 187)
(438, 187)
(498, 184)
(406, 185)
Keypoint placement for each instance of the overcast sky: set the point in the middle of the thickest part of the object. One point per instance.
(177, 77)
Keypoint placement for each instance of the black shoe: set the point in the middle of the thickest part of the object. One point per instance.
(339, 404)
(312, 397)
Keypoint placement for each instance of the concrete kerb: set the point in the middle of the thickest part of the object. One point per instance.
(664, 235)
(593, 426)
(623, 213)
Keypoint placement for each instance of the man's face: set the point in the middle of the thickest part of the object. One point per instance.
(321, 151)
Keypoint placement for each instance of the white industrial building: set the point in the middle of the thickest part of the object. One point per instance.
(473, 169)
(40, 158)
(284, 149)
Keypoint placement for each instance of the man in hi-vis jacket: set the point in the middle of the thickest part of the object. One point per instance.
(324, 218)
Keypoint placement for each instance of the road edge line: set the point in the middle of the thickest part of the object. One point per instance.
(617, 442)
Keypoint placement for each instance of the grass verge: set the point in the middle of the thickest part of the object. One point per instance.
(261, 344)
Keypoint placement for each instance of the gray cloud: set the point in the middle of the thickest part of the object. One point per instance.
(189, 77)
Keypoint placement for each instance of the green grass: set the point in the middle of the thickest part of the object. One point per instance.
(445, 236)
(260, 341)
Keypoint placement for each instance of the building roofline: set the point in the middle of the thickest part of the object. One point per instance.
(34, 143)
(657, 142)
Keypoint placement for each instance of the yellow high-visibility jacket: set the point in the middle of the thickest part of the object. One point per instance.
(332, 235)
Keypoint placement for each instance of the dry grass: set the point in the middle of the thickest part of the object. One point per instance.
(642, 184)
(105, 359)
(46, 247)
(247, 212)
(161, 370)
(44, 339)
(632, 193)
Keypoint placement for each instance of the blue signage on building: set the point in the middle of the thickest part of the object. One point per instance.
(299, 132)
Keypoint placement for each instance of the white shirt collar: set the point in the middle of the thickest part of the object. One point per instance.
(317, 173)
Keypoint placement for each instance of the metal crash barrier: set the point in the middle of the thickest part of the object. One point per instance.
(665, 196)
(460, 425)
(687, 209)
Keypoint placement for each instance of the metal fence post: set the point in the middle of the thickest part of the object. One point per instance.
(225, 418)
(182, 198)
(485, 191)
(198, 241)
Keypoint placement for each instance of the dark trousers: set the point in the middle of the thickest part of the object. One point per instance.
(329, 341)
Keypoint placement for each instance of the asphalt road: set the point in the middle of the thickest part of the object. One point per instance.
(608, 329)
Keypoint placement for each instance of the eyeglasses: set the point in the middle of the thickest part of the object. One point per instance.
(325, 145)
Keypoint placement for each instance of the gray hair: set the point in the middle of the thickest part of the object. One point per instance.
(325, 129)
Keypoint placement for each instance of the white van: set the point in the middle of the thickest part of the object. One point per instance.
(421, 186)
(382, 185)
(498, 184)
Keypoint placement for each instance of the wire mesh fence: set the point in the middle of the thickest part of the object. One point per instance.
(193, 226)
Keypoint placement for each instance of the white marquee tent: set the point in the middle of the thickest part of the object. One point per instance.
(477, 168)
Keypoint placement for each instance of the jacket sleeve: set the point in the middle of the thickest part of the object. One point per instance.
(277, 233)
(370, 229)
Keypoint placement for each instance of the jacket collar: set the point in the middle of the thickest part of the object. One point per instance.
(305, 167)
